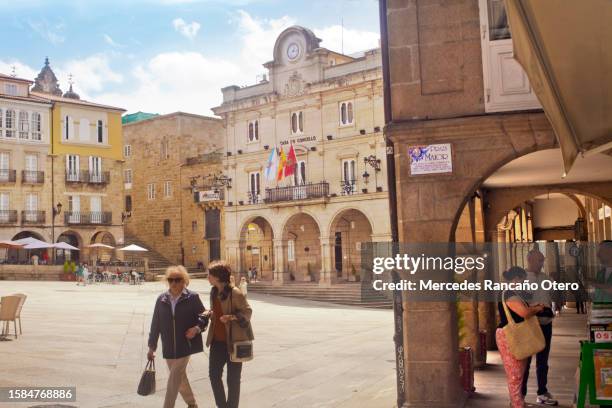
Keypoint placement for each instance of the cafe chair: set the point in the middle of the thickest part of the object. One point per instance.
(8, 313)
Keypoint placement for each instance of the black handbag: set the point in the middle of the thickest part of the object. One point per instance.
(147, 381)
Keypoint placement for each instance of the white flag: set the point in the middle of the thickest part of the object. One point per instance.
(272, 165)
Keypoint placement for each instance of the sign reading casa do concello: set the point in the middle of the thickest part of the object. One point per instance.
(430, 159)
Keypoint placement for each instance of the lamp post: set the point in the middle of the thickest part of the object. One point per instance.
(55, 212)
(373, 162)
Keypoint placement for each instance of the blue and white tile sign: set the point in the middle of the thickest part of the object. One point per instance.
(430, 159)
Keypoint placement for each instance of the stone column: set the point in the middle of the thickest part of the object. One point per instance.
(232, 254)
(327, 276)
(280, 274)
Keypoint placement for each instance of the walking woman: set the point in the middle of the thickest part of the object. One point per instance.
(230, 323)
(177, 319)
(519, 310)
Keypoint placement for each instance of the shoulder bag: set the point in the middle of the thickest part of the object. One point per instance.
(525, 338)
(241, 350)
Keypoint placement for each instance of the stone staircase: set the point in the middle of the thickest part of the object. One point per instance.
(350, 294)
(156, 260)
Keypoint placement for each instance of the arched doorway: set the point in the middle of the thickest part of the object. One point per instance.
(22, 256)
(74, 239)
(101, 254)
(303, 254)
(349, 230)
(256, 247)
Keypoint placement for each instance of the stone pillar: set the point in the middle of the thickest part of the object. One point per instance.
(280, 274)
(327, 276)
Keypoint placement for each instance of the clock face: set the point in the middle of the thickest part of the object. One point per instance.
(293, 51)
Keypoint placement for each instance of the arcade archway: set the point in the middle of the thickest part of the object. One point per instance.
(303, 250)
(256, 247)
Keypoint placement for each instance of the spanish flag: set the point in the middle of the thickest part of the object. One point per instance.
(281, 165)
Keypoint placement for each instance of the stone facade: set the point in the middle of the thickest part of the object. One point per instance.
(329, 108)
(25, 163)
(77, 173)
(445, 87)
(165, 152)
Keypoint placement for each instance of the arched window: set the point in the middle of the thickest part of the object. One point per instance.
(294, 124)
(346, 113)
(253, 134)
(297, 122)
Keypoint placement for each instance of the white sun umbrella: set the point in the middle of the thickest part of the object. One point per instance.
(100, 245)
(133, 248)
(30, 241)
(97, 246)
(7, 243)
(65, 245)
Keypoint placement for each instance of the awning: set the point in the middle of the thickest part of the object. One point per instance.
(564, 47)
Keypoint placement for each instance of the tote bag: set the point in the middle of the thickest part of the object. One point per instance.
(147, 381)
(525, 338)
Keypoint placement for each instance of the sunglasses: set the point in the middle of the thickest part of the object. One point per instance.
(175, 280)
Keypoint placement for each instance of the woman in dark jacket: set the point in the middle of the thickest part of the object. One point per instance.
(177, 319)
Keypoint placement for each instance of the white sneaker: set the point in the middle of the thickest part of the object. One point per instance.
(547, 399)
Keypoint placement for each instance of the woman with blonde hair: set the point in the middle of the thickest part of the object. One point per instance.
(176, 318)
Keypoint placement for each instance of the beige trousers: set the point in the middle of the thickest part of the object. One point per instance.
(178, 382)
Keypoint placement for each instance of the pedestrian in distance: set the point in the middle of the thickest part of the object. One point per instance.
(519, 310)
(243, 286)
(177, 319)
(230, 323)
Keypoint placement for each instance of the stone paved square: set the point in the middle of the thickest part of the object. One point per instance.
(307, 354)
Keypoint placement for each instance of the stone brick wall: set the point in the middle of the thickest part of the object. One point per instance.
(185, 136)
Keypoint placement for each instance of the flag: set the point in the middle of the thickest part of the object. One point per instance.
(291, 163)
(272, 165)
(281, 165)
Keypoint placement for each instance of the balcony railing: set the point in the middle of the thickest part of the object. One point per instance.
(32, 177)
(254, 197)
(8, 216)
(86, 176)
(301, 192)
(32, 217)
(8, 176)
(88, 218)
(348, 187)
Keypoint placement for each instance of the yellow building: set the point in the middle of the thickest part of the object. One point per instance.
(87, 162)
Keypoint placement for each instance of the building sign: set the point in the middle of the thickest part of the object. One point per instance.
(298, 140)
(209, 195)
(430, 159)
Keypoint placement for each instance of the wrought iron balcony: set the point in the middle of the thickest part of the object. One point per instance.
(88, 218)
(8, 216)
(254, 197)
(88, 177)
(8, 176)
(32, 177)
(348, 187)
(32, 217)
(300, 192)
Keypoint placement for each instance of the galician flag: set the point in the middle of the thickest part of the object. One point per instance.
(291, 163)
(281, 165)
(272, 165)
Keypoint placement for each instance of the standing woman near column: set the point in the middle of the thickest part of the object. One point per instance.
(177, 319)
(519, 310)
(230, 323)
